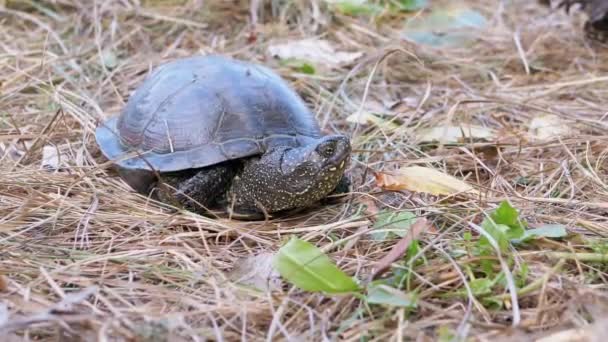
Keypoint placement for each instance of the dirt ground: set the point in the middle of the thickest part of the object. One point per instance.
(84, 258)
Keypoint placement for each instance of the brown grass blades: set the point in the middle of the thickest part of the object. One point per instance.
(83, 257)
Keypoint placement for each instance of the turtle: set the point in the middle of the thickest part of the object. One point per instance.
(208, 131)
(596, 26)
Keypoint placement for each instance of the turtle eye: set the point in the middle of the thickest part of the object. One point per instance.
(327, 150)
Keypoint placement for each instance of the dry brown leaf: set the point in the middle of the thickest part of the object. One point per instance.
(423, 179)
(256, 271)
(400, 248)
(3, 283)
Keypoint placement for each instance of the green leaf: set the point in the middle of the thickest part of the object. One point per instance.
(412, 5)
(503, 225)
(386, 295)
(497, 231)
(305, 266)
(412, 250)
(481, 286)
(355, 7)
(487, 267)
(299, 65)
(467, 236)
(445, 27)
(398, 222)
(522, 275)
(549, 231)
(306, 68)
(507, 215)
(492, 303)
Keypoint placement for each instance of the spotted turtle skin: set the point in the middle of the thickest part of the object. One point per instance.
(204, 130)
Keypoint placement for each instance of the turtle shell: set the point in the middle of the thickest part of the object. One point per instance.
(199, 111)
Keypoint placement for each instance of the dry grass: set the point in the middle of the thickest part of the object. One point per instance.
(151, 273)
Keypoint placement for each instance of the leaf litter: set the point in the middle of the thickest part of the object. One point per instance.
(520, 81)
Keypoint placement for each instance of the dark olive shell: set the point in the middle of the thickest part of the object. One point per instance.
(199, 111)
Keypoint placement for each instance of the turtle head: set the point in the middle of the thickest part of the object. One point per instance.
(316, 167)
(292, 177)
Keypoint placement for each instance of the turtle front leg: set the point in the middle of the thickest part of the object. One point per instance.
(196, 190)
(343, 186)
(341, 189)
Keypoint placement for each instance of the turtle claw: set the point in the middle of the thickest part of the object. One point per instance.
(567, 4)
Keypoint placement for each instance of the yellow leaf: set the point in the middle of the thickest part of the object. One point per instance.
(423, 179)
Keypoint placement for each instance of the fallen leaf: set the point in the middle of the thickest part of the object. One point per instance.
(3, 283)
(423, 179)
(50, 158)
(387, 295)
(447, 26)
(305, 266)
(400, 248)
(256, 271)
(455, 134)
(313, 51)
(549, 126)
(109, 59)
